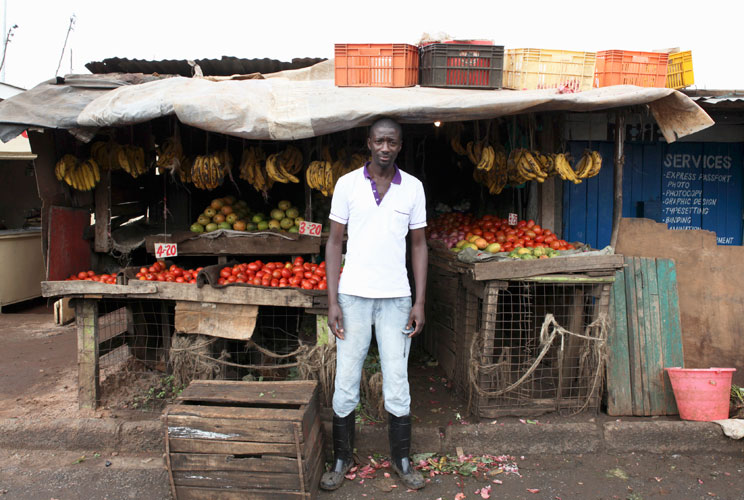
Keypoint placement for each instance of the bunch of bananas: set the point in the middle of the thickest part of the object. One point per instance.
(252, 169)
(322, 175)
(282, 167)
(524, 166)
(82, 176)
(589, 164)
(453, 131)
(496, 177)
(171, 156)
(563, 168)
(209, 171)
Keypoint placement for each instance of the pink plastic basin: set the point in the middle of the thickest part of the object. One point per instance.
(702, 393)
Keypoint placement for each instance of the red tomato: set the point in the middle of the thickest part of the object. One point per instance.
(307, 274)
(522, 223)
(539, 238)
(283, 282)
(160, 277)
(322, 265)
(306, 266)
(298, 261)
(555, 245)
(294, 280)
(322, 285)
(570, 247)
(274, 282)
(529, 244)
(298, 269)
(143, 270)
(199, 269)
(235, 271)
(149, 277)
(265, 282)
(276, 274)
(253, 267)
(179, 279)
(307, 285)
(286, 273)
(549, 239)
(256, 281)
(548, 232)
(530, 223)
(270, 266)
(283, 285)
(260, 274)
(241, 277)
(537, 229)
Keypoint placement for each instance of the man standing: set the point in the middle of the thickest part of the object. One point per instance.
(379, 204)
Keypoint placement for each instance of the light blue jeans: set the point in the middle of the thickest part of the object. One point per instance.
(389, 317)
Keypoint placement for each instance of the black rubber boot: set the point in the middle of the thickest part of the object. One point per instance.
(399, 431)
(343, 449)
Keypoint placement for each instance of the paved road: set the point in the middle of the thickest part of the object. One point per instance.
(53, 475)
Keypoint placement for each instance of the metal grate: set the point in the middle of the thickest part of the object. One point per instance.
(144, 363)
(535, 347)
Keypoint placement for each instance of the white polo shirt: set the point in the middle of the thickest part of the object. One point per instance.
(375, 264)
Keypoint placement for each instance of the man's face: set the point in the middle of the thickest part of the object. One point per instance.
(384, 143)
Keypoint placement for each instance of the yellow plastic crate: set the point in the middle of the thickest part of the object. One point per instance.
(530, 69)
(679, 70)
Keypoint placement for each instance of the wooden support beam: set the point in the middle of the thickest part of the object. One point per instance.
(86, 313)
(103, 213)
(617, 207)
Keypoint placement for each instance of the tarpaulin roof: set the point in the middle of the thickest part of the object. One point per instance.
(286, 108)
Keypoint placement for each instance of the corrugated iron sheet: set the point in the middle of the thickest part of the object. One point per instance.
(225, 66)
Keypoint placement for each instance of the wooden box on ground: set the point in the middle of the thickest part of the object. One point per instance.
(258, 440)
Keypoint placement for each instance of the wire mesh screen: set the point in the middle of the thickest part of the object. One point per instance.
(144, 362)
(536, 346)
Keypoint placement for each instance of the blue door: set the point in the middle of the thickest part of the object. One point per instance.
(685, 185)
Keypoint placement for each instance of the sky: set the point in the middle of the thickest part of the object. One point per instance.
(284, 29)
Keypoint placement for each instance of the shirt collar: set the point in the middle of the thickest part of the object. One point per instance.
(396, 175)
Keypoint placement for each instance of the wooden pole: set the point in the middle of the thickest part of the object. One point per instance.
(86, 314)
(617, 211)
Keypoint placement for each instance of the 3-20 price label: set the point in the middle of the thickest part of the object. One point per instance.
(310, 228)
(163, 250)
(513, 219)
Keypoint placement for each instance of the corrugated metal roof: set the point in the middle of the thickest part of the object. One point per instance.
(714, 97)
(225, 66)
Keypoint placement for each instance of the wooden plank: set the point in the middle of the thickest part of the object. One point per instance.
(524, 269)
(236, 412)
(238, 480)
(86, 313)
(188, 427)
(653, 339)
(642, 311)
(671, 338)
(297, 392)
(570, 279)
(570, 365)
(210, 462)
(254, 295)
(619, 396)
(61, 288)
(193, 493)
(265, 243)
(102, 242)
(189, 445)
(633, 308)
(488, 329)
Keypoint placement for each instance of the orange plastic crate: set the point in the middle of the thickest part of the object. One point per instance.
(376, 65)
(625, 67)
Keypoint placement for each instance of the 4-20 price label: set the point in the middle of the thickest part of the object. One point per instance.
(163, 250)
(310, 228)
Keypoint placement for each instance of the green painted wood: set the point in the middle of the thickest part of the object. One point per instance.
(634, 322)
(619, 395)
(672, 351)
(642, 313)
(653, 339)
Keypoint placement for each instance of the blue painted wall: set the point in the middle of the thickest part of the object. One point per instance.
(686, 185)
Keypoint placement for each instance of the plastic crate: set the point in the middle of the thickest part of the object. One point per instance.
(679, 70)
(530, 69)
(626, 67)
(461, 66)
(376, 65)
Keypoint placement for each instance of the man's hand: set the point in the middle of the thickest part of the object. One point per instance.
(415, 318)
(336, 320)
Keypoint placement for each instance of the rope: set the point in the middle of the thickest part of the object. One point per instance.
(319, 363)
(549, 331)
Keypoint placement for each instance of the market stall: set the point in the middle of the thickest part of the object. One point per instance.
(159, 168)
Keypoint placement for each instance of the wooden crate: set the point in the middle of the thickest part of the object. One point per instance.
(258, 440)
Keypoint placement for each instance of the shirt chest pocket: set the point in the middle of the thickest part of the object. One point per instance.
(399, 218)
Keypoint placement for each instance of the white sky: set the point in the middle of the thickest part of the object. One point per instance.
(285, 29)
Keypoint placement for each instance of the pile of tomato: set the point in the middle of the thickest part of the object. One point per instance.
(109, 279)
(295, 274)
(455, 226)
(159, 271)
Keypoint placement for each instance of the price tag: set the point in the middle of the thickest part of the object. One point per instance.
(163, 250)
(513, 219)
(310, 228)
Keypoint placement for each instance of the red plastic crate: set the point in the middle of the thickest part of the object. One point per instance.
(625, 67)
(467, 66)
(376, 65)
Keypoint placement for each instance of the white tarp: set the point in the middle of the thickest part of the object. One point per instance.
(284, 109)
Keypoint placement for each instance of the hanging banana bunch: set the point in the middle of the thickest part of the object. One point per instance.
(209, 171)
(82, 176)
(491, 172)
(253, 171)
(453, 132)
(322, 175)
(589, 164)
